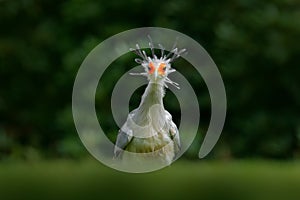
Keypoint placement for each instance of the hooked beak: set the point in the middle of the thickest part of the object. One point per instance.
(155, 74)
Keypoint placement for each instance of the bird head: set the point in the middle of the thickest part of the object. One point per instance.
(157, 68)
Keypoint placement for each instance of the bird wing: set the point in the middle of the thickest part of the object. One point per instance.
(174, 133)
(175, 136)
(123, 139)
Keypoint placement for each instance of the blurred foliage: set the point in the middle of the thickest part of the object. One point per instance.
(254, 43)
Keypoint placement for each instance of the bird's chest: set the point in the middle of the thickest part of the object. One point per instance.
(150, 130)
(149, 144)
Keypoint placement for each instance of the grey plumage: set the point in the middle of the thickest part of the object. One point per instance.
(149, 129)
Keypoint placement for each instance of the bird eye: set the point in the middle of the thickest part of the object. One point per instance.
(151, 68)
(162, 69)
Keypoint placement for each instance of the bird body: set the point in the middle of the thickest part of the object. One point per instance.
(149, 130)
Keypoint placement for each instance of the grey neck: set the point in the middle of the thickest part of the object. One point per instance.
(153, 96)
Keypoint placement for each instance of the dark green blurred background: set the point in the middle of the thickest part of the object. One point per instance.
(254, 43)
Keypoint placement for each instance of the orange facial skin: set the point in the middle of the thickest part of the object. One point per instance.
(162, 69)
(151, 68)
